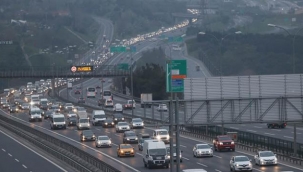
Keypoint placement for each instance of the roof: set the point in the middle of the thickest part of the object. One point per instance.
(194, 170)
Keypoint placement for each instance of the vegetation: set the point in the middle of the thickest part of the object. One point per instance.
(247, 54)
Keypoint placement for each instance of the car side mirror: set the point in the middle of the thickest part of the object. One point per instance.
(146, 156)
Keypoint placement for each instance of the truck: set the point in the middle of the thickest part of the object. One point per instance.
(35, 99)
(146, 97)
(82, 114)
(69, 85)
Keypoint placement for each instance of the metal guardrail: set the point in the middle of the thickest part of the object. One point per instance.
(74, 156)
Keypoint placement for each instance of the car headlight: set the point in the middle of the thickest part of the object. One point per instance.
(88, 124)
(122, 118)
(136, 138)
(276, 159)
(32, 117)
(168, 136)
(132, 150)
(221, 143)
(232, 143)
(237, 165)
(112, 123)
(110, 142)
(121, 151)
(158, 137)
(80, 125)
(115, 119)
(127, 139)
(105, 123)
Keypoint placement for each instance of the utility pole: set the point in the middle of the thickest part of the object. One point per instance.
(177, 134)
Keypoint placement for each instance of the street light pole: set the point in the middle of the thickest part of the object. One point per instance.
(132, 85)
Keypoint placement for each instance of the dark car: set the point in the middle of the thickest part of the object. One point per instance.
(108, 123)
(5, 105)
(101, 102)
(77, 92)
(71, 121)
(81, 100)
(13, 108)
(87, 135)
(130, 137)
(18, 101)
(118, 117)
(276, 125)
(48, 113)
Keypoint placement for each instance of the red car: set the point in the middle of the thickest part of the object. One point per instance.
(77, 92)
(224, 142)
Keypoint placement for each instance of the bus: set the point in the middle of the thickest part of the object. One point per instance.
(90, 92)
(106, 94)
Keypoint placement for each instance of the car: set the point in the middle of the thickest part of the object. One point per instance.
(118, 117)
(222, 142)
(81, 100)
(24, 106)
(13, 108)
(118, 108)
(130, 104)
(78, 87)
(77, 91)
(141, 138)
(83, 123)
(101, 102)
(108, 123)
(103, 141)
(122, 126)
(71, 120)
(5, 105)
(68, 107)
(161, 135)
(48, 113)
(277, 125)
(162, 108)
(130, 137)
(55, 107)
(125, 150)
(137, 123)
(240, 163)
(109, 103)
(265, 158)
(98, 87)
(174, 149)
(201, 150)
(87, 135)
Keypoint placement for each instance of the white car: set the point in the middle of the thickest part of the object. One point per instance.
(103, 141)
(137, 123)
(122, 126)
(162, 107)
(265, 158)
(201, 150)
(118, 107)
(83, 123)
(109, 103)
(240, 163)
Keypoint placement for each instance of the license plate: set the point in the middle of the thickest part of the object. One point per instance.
(227, 147)
(268, 162)
(159, 164)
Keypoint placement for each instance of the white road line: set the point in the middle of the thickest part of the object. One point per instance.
(217, 170)
(139, 154)
(258, 127)
(202, 164)
(297, 133)
(269, 134)
(243, 125)
(117, 135)
(114, 144)
(185, 158)
(183, 146)
(107, 132)
(288, 137)
(3, 150)
(17, 160)
(276, 130)
(286, 171)
(252, 131)
(97, 128)
(33, 151)
(10, 155)
(24, 166)
(217, 156)
(234, 128)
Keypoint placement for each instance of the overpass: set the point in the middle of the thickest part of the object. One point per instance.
(62, 72)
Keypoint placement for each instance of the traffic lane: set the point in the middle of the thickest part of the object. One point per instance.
(16, 156)
(261, 128)
(72, 136)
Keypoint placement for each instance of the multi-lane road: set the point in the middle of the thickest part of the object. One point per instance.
(16, 156)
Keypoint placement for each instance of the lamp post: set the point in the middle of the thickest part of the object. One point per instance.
(220, 44)
(132, 85)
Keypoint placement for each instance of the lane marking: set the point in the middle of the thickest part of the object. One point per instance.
(258, 127)
(217, 170)
(33, 151)
(107, 132)
(217, 156)
(288, 137)
(17, 160)
(202, 164)
(114, 144)
(140, 154)
(24, 166)
(10, 155)
(3, 150)
(234, 128)
(117, 135)
(183, 146)
(269, 134)
(185, 158)
(252, 131)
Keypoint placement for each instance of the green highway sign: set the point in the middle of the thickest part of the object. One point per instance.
(175, 39)
(117, 49)
(123, 66)
(176, 71)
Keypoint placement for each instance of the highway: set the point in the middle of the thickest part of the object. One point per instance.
(15, 156)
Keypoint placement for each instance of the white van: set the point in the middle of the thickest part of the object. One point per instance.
(57, 121)
(98, 116)
(155, 154)
(118, 107)
(161, 134)
(35, 114)
(83, 123)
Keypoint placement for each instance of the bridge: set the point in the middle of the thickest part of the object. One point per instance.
(197, 6)
(63, 72)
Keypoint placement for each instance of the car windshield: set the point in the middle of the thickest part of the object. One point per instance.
(126, 146)
(55, 106)
(61, 119)
(118, 116)
(88, 132)
(157, 151)
(162, 132)
(203, 147)
(137, 120)
(43, 102)
(266, 154)
(83, 120)
(73, 118)
(107, 93)
(130, 134)
(25, 104)
(241, 158)
(68, 104)
(81, 109)
(35, 112)
(109, 101)
(103, 138)
(108, 120)
(99, 116)
(224, 138)
(122, 123)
